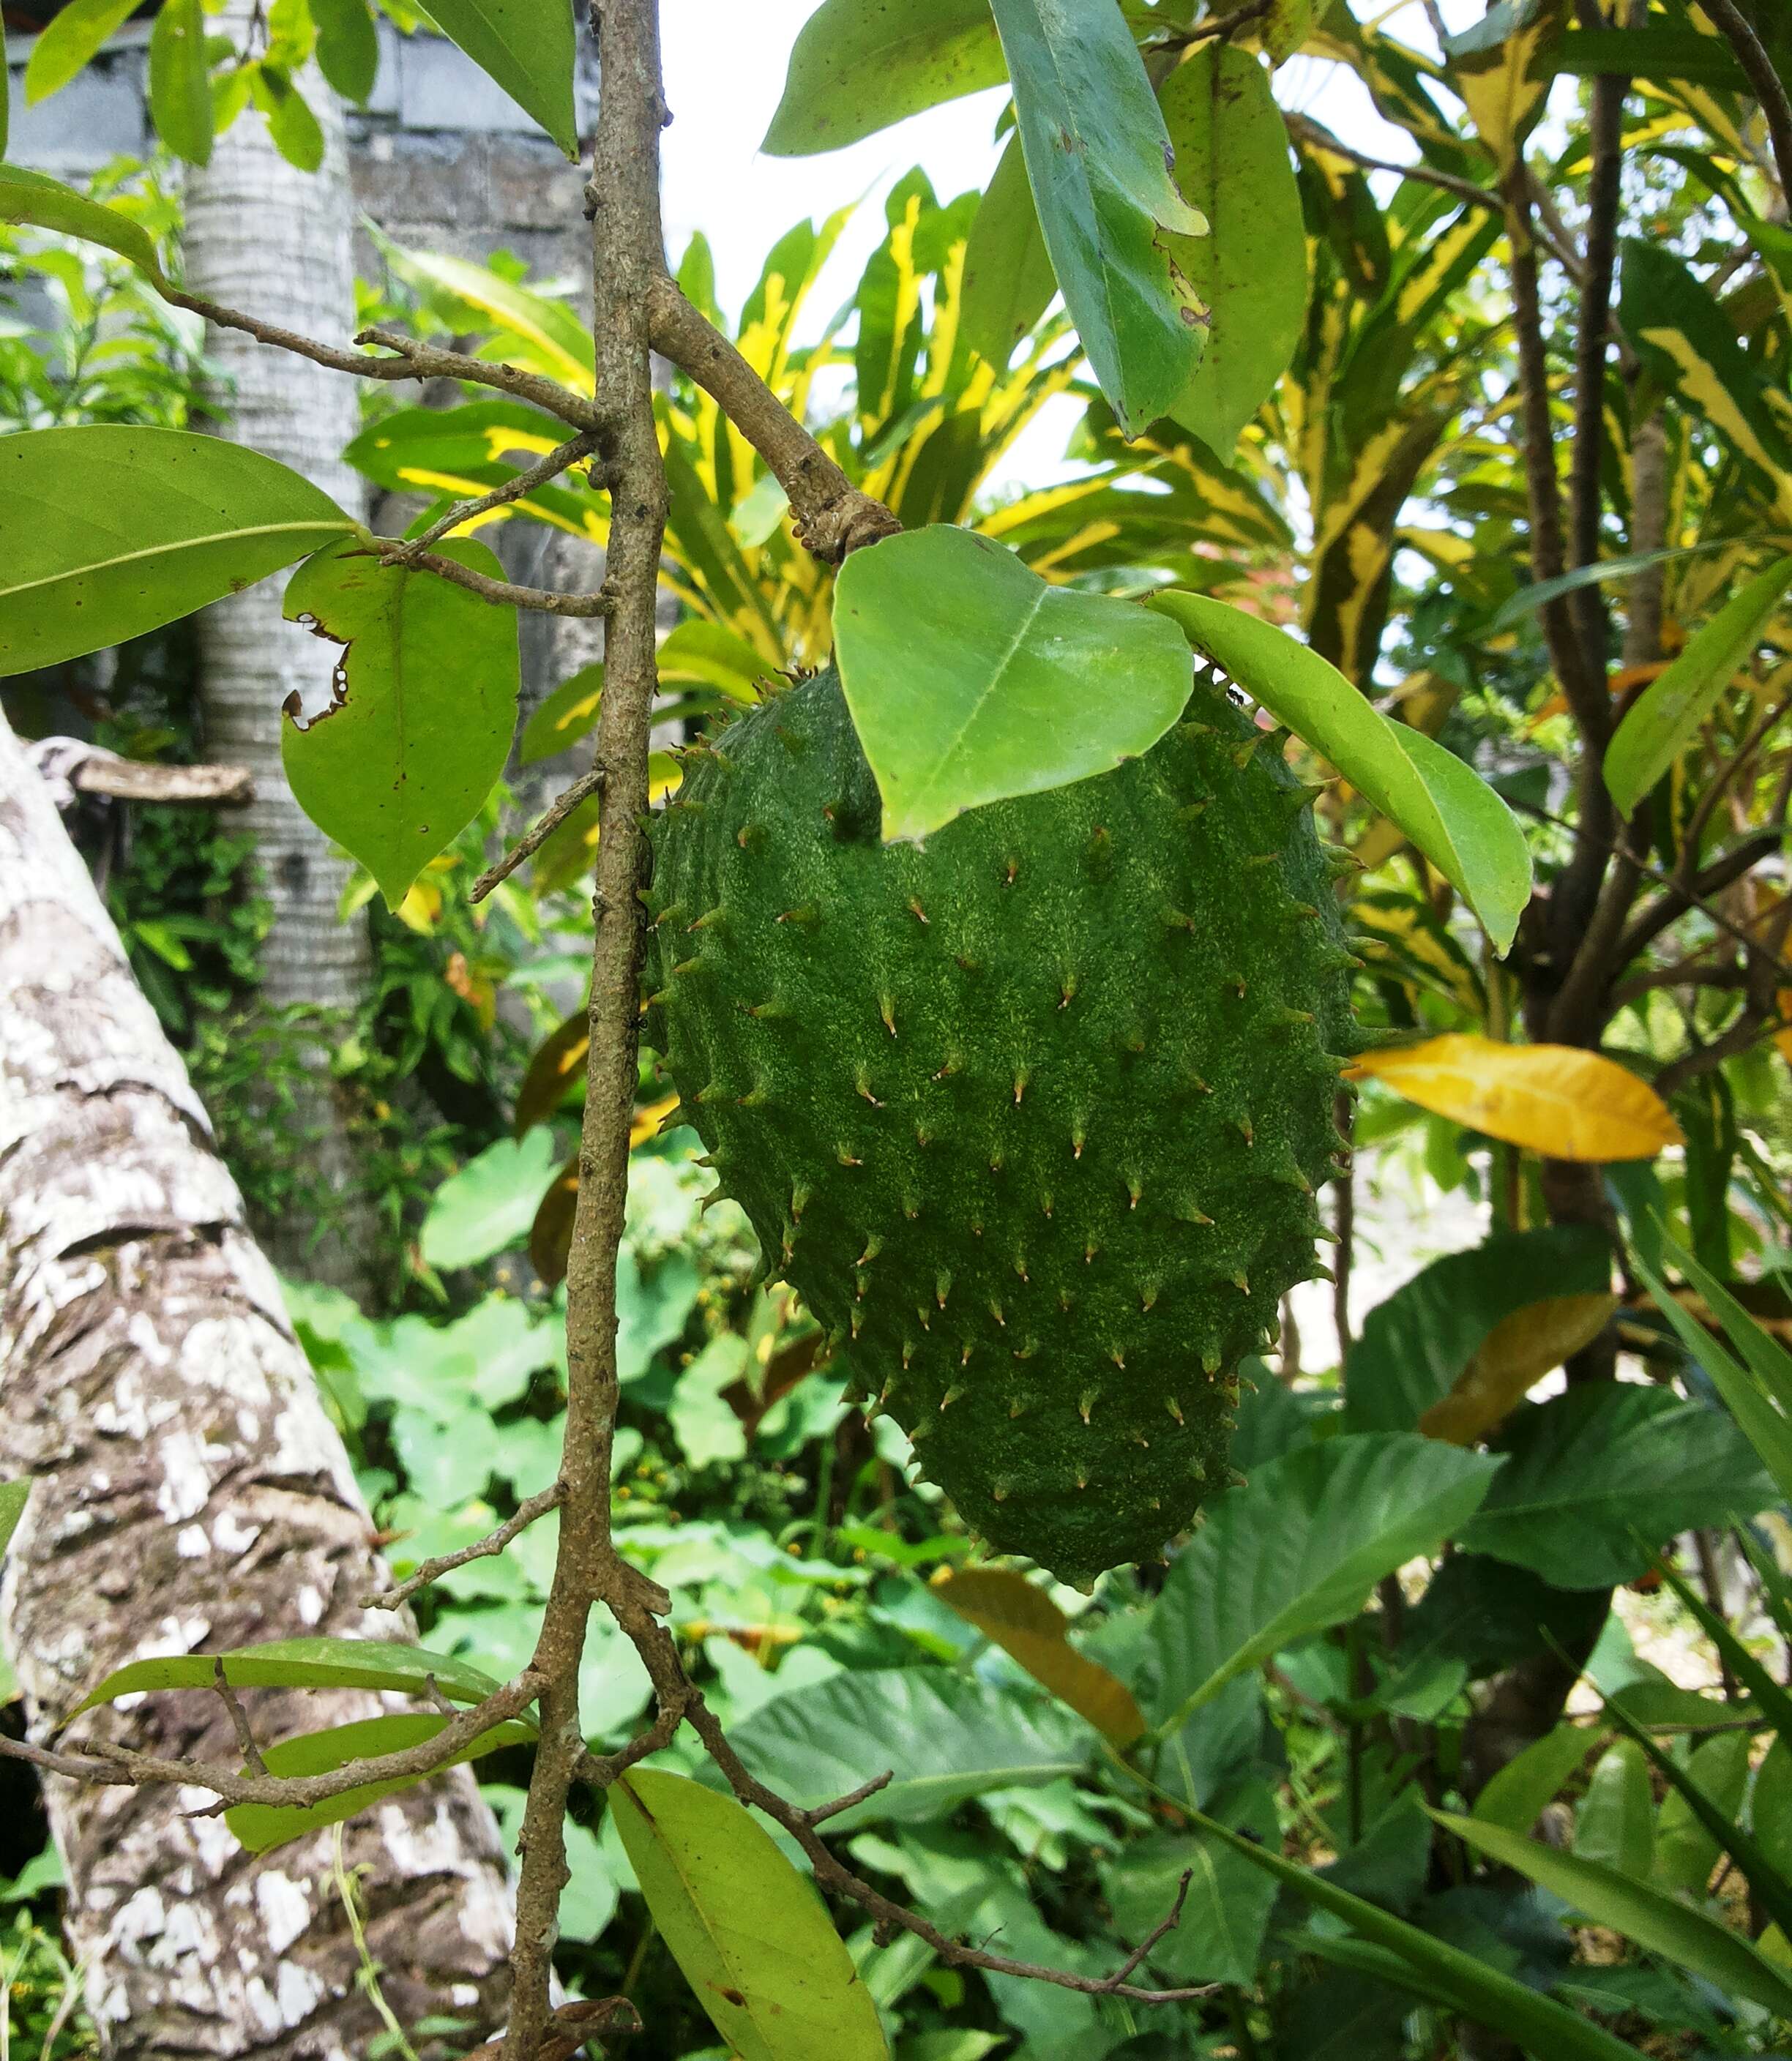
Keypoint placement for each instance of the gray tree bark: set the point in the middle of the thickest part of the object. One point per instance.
(189, 1493)
(276, 243)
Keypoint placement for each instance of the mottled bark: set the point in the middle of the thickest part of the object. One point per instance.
(276, 243)
(189, 1493)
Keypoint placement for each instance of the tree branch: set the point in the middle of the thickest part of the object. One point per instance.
(550, 1498)
(538, 475)
(541, 601)
(1317, 137)
(588, 783)
(830, 515)
(1751, 54)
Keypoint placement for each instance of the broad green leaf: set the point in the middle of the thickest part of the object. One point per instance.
(1457, 821)
(1099, 163)
(946, 1737)
(554, 339)
(753, 1939)
(1554, 1099)
(1009, 281)
(67, 40)
(1771, 1806)
(180, 81)
(1517, 1795)
(13, 1496)
(424, 707)
(713, 655)
(1591, 1468)
(970, 679)
(1297, 1550)
(708, 1430)
(1287, 26)
(347, 46)
(859, 65)
(1031, 1629)
(316, 1662)
(1652, 1919)
(1414, 1348)
(568, 715)
(260, 1826)
(1662, 55)
(1435, 1969)
(294, 128)
(489, 1205)
(1250, 270)
(1614, 1826)
(1667, 718)
(1697, 1821)
(107, 531)
(35, 199)
(1219, 1937)
(527, 46)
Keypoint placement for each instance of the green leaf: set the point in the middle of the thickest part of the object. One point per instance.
(1008, 280)
(260, 1826)
(1434, 1969)
(36, 200)
(548, 337)
(1099, 161)
(6, 130)
(1540, 593)
(424, 710)
(527, 46)
(107, 531)
(1656, 1922)
(1453, 816)
(290, 123)
(490, 1204)
(67, 40)
(753, 1939)
(347, 46)
(1770, 1807)
(1660, 54)
(859, 65)
(1232, 163)
(945, 1736)
(1298, 1550)
(971, 680)
(708, 1430)
(1589, 1467)
(568, 713)
(713, 655)
(1667, 718)
(180, 81)
(1219, 1937)
(1414, 1345)
(1516, 1796)
(1614, 1827)
(1697, 1820)
(317, 1662)
(13, 1496)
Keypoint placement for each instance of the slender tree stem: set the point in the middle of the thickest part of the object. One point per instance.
(1751, 54)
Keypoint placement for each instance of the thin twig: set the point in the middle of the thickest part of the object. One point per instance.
(1165, 1925)
(501, 593)
(582, 790)
(239, 1720)
(550, 1498)
(819, 1813)
(1317, 137)
(1719, 784)
(540, 473)
(1751, 54)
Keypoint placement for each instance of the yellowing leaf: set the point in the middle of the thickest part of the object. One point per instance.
(1030, 1628)
(1554, 1099)
(649, 1120)
(1514, 1357)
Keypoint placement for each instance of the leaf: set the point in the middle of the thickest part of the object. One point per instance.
(180, 82)
(568, 713)
(1287, 26)
(1667, 717)
(1770, 1807)
(182, 520)
(1457, 821)
(1614, 1827)
(1435, 1969)
(489, 1205)
(1590, 1468)
(1418, 1345)
(714, 656)
(970, 680)
(1031, 1629)
(1540, 593)
(527, 46)
(12, 1498)
(556, 342)
(67, 40)
(291, 123)
(261, 1827)
(1661, 54)
(1008, 280)
(559, 1060)
(1554, 1099)
(1225, 1914)
(315, 1662)
(1298, 1551)
(1515, 1356)
(1099, 163)
(750, 1934)
(1697, 1820)
(347, 46)
(1656, 1922)
(707, 1431)
(1516, 1796)
(859, 65)
(946, 1737)
(1232, 163)
(424, 709)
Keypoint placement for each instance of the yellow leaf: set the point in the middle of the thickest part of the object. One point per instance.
(1030, 1628)
(1514, 1356)
(1554, 1099)
(647, 1120)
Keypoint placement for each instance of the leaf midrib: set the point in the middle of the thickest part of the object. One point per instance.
(64, 574)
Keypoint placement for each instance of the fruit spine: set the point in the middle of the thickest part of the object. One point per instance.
(1033, 1117)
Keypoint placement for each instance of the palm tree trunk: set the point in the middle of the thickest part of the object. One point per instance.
(188, 1493)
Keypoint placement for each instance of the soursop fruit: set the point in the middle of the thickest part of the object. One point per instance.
(1033, 1116)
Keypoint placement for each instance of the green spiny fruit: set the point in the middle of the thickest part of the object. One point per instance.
(1033, 1116)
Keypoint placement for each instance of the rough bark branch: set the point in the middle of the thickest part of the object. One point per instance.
(533, 1507)
(543, 471)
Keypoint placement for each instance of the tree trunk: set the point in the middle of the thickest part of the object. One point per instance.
(276, 243)
(189, 1492)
